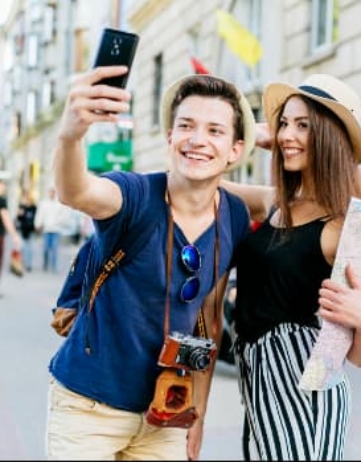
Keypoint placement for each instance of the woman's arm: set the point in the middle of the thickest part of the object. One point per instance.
(258, 198)
(202, 379)
(342, 304)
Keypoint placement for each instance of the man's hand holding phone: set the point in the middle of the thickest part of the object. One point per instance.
(89, 102)
(116, 48)
(100, 94)
(110, 99)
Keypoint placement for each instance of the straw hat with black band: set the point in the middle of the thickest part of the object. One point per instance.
(249, 124)
(327, 90)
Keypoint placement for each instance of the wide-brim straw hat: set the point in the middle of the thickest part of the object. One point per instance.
(327, 90)
(249, 124)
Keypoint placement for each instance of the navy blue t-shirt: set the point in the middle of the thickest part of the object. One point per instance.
(126, 325)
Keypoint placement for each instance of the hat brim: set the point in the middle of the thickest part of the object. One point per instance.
(276, 94)
(249, 123)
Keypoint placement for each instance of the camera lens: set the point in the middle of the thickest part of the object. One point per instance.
(199, 359)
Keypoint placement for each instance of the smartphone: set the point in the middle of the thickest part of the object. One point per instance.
(116, 48)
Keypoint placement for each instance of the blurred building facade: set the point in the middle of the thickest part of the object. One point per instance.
(299, 37)
(47, 42)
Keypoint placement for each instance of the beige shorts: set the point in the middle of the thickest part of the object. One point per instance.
(79, 428)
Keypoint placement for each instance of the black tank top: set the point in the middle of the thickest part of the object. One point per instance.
(278, 277)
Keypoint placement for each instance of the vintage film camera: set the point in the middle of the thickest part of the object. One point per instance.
(187, 352)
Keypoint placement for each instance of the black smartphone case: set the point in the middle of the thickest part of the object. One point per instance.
(117, 48)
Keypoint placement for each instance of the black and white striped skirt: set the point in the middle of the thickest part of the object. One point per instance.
(283, 422)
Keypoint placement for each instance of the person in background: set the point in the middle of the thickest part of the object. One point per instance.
(98, 401)
(25, 221)
(49, 220)
(316, 148)
(7, 225)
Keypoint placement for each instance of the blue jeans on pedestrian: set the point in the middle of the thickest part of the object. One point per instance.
(50, 251)
(27, 251)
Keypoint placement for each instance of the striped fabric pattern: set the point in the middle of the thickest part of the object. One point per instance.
(283, 422)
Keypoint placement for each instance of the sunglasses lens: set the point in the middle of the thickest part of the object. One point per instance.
(190, 289)
(191, 258)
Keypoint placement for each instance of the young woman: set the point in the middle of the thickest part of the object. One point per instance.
(281, 265)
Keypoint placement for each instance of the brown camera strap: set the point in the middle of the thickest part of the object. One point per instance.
(201, 324)
(106, 270)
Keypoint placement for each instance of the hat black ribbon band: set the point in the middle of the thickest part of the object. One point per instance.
(316, 91)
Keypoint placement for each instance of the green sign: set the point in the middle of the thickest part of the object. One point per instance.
(109, 146)
(104, 157)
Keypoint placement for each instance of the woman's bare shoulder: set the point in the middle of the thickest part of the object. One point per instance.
(330, 238)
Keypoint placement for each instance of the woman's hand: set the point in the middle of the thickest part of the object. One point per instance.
(342, 304)
(263, 135)
(194, 439)
(89, 102)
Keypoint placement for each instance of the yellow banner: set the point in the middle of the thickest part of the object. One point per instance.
(239, 40)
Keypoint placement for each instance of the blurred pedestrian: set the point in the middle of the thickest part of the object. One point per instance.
(49, 221)
(7, 225)
(25, 221)
(280, 268)
(98, 400)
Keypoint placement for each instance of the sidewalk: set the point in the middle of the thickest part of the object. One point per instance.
(223, 424)
(27, 344)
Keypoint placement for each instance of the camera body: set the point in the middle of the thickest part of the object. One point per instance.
(187, 352)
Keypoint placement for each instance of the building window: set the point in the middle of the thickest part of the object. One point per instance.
(17, 78)
(255, 27)
(49, 23)
(157, 87)
(19, 33)
(8, 58)
(324, 29)
(31, 108)
(8, 94)
(33, 51)
(80, 50)
(48, 96)
(35, 12)
(17, 124)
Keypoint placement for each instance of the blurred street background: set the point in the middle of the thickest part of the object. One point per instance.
(44, 44)
(28, 342)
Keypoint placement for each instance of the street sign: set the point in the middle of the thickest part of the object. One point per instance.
(109, 146)
(103, 157)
